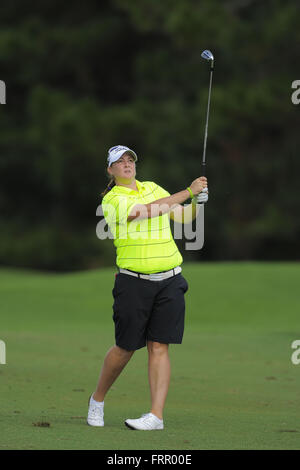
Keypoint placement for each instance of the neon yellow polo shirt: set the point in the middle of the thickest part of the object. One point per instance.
(147, 245)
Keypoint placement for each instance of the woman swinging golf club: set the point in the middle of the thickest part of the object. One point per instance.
(149, 305)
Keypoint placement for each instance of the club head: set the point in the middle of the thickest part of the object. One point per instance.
(207, 55)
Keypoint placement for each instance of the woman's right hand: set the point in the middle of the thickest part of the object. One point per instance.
(198, 185)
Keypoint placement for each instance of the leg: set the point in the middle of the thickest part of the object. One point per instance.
(159, 375)
(114, 362)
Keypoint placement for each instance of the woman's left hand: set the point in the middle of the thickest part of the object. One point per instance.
(202, 197)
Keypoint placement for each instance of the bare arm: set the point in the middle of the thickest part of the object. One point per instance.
(170, 203)
(158, 207)
(185, 215)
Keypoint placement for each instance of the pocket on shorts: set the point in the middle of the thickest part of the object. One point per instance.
(120, 288)
(186, 286)
(114, 291)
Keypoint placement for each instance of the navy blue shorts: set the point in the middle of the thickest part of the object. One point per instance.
(148, 310)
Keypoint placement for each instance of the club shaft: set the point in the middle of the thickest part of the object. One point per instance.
(207, 118)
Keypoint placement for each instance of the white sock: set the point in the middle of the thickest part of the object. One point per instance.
(99, 403)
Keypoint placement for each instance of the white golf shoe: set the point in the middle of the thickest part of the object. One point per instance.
(95, 413)
(147, 422)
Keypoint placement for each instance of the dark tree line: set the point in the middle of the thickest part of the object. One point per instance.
(83, 76)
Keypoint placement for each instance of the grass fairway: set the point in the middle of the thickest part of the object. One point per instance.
(233, 384)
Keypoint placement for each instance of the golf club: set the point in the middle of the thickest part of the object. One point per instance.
(207, 55)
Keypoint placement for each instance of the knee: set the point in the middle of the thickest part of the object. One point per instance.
(123, 353)
(157, 349)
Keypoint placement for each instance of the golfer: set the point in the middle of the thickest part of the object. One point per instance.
(149, 289)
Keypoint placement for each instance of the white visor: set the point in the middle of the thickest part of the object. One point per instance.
(116, 152)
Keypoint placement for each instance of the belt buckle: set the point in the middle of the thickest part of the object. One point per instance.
(156, 276)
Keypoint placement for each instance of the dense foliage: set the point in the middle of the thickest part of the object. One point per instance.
(83, 76)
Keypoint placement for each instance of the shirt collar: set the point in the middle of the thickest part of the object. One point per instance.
(140, 185)
(125, 190)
